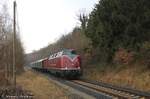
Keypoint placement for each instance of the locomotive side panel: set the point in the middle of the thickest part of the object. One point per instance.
(54, 63)
(45, 63)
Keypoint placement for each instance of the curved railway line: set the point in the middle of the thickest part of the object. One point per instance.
(101, 90)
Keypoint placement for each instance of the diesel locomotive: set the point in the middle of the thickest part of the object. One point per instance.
(65, 63)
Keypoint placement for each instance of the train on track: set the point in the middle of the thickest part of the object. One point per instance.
(65, 63)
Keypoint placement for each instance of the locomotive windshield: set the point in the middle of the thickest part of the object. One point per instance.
(70, 53)
(73, 52)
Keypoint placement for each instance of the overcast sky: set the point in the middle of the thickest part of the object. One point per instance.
(43, 21)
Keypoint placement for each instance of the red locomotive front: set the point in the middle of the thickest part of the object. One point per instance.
(64, 63)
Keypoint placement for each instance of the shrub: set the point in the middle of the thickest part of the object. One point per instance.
(122, 56)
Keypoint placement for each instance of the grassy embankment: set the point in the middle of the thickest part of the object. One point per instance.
(131, 76)
(40, 86)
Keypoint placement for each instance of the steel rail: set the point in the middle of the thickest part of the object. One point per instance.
(131, 91)
(108, 91)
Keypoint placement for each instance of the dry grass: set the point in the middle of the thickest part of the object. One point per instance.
(130, 76)
(40, 86)
(3, 81)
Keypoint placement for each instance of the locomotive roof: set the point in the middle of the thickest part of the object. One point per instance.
(53, 55)
(59, 53)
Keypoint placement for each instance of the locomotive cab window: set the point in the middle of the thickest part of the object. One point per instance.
(69, 52)
(73, 52)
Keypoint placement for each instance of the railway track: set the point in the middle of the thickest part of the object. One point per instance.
(130, 91)
(101, 90)
(113, 91)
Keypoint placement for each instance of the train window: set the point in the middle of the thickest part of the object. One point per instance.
(65, 52)
(73, 52)
(69, 52)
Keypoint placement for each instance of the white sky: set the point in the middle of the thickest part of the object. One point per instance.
(43, 21)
